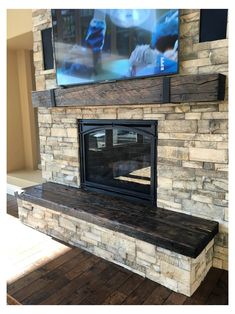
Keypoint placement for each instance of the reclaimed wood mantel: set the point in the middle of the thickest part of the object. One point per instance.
(174, 89)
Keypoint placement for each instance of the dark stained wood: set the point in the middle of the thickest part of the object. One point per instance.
(99, 294)
(141, 293)
(203, 87)
(12, 208)
(131, 284)
(158, 295)
(178, 232)
(96, 280)
(33, 290)
(91, 266)
(47, 268)
(42, 99)
(201, 295)
(219, 294)
(86, 274)
(115, 298)
(175, 299)
(12, 301)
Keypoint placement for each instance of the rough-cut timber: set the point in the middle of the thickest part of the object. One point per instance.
(187, 88)
(177, 232)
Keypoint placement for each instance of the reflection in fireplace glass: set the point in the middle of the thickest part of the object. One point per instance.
(120, 158)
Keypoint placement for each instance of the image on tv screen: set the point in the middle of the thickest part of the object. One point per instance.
(114, 44)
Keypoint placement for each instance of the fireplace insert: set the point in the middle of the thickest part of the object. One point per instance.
(119, 157)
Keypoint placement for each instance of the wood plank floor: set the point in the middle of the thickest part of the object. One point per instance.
(69, 275)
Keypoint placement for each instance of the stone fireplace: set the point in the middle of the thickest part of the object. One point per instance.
(179, 161)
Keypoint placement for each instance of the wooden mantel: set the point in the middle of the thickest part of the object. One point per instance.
(154, 90)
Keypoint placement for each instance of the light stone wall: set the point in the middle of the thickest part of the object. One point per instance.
(192, 137)
(175, 271)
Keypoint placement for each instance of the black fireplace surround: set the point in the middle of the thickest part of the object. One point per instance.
(118, 157)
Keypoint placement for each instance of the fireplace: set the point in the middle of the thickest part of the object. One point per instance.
(119, 157)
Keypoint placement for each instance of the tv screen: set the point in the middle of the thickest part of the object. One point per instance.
(114, 44)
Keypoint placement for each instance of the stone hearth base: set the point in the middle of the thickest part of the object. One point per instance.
(180, 273)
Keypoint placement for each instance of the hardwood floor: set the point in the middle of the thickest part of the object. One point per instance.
(74, 276)
(12, 206)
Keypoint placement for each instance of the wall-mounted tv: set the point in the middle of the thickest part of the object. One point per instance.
(113, 44)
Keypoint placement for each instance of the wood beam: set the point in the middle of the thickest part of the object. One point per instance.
(154, 90)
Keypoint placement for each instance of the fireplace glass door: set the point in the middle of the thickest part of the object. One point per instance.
(119, 157)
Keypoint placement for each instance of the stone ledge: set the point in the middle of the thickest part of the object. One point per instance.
(176, 271)
(180, 233)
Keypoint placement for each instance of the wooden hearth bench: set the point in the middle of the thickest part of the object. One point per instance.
(171, 248)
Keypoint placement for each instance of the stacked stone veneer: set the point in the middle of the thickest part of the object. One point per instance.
(178, 272)
(192, 137)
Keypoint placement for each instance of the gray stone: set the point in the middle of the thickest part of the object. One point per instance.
(199, 209)
(209, 165)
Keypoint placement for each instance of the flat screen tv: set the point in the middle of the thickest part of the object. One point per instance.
(114, 44)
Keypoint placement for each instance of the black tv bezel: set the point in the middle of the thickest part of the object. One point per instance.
(113, 80)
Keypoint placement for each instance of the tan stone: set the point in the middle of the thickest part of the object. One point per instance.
(154, 116)
(214, 115)
(118, 242)
(175, 273)
(223, 107)
(23, 212)
(189, 29)
(104, 254)
(58, 132)
(164, 182)
(130, 113)
(145, 247)
(70, 152)
(196, 63)
(203, 54)
(92, 236)
(67, 224)
(36, 222)
(193, 116)
(50, 84)
(226, 214)
(40, 83)
(37, 56)
(72, 132)
(162, 109)
(219, 43)
(217, 263)
(177, 126)
(225, 265)
(174, 116)
(222, 145)
(218, 56)
(202, 198)
(176, 136)
(27, 206)
(188, 70)
(178, 153)
(169, 205)
(191, 17)
(192, 164)
(185, 185)
(208, 155)
(37, 36)
(221, 68)
(182, 108)
(148, 258)
(199, 144)
(38, 212)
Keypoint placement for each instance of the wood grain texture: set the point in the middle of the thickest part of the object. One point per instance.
(177, 232)
(203, 87)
